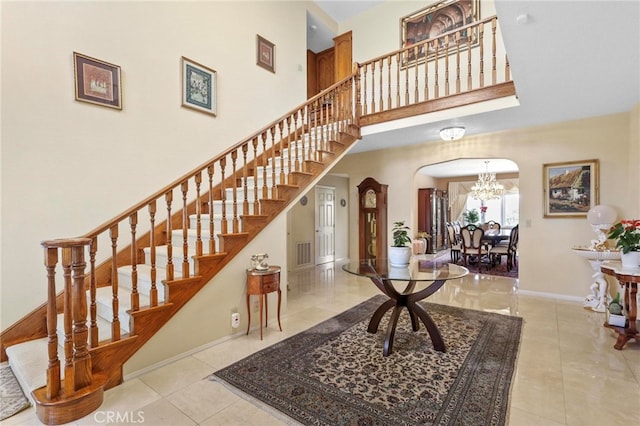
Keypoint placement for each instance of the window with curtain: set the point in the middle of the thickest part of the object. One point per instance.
(505, 210)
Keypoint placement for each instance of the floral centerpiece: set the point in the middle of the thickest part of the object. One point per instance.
(627, 232)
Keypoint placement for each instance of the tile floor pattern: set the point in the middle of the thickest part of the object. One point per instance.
(567, 373)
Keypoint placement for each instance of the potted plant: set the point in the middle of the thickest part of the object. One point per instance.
(471, 217)
(627, 234)
(399, 252)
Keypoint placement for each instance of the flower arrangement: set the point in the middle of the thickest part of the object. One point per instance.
(483, 209)
(627, 232)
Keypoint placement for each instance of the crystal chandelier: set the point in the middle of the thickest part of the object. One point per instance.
(487, 188)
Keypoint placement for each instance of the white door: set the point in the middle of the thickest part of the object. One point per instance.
(325, 224)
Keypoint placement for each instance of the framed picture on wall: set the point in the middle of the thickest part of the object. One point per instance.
(266, 54)
(97, 82)
(571, 188)
(433, 21)
(198, 87)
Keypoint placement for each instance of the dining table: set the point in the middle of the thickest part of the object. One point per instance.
(493, 238)
(405, 286)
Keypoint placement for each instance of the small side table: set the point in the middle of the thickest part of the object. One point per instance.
(261, 283)
(628, 279)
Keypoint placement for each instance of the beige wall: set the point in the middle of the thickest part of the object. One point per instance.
(68, 166)
(545, 244)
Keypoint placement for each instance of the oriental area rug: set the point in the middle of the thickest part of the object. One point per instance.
(335, 373)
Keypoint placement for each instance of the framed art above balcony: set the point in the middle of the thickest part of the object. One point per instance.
(97, 82)
(570, 188)
(433, 21)
(198, 87)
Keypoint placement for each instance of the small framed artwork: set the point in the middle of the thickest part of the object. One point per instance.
(434, 20)
(97, 82)
(266, 54)
(570, 189)
(198, 87)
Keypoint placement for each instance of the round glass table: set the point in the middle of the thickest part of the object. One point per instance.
(421, 278)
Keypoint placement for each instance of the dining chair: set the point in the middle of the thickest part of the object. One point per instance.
(510, 250)
(454, 243)
(473, 247)
(493, 226)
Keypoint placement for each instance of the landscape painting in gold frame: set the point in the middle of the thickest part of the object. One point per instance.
(433, 21)
(570, 188)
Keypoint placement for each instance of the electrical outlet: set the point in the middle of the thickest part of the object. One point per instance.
(235, 320)
(255, 306)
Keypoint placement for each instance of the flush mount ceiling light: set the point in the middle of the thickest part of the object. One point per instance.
(452, 133)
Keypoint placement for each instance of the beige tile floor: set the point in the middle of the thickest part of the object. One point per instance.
(567, 373)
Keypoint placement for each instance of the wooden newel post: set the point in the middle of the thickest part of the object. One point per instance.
(77, 358)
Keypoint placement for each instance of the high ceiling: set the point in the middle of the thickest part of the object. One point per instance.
(562, 67)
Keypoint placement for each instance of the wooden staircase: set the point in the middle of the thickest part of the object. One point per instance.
(125, 279)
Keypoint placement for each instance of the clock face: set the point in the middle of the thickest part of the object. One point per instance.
(370, 199)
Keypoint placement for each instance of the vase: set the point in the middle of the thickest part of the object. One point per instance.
(630, 260)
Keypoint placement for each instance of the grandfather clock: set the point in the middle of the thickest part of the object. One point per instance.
(372, 202)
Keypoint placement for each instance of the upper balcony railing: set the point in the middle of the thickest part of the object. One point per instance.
(457, 63)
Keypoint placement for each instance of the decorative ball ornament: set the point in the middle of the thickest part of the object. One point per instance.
(602, 215)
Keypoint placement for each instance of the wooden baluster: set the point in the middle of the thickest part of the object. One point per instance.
(93, 308)
(446, 66)
(363, 99)
(357, 112)
(305, 136)
(507, 69)
(406, 77)
(223, 195)
(398, 66)
(291, 146)
(212, 240)
(494, 69)
(256, 205)
(135, 296)
(53, 366)
(373, 87)
(457, 39)
(416, 71)
(81, 358)
(296, 163)
(153, 293)
(469, 79)
(389, 104)
(69, 379)
(115, 303)
(436, 87)
(198, 181)
(282, 177)
(272, 147)
(168, 200)
(245, 177)
(426, 71)
(184, 188)
(381, 102)
(265, 190)
(234, 191)
(481, 37)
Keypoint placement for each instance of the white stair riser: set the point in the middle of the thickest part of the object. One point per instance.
(204, 228)
(143, 282)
